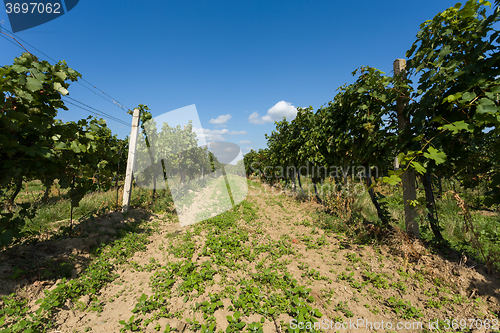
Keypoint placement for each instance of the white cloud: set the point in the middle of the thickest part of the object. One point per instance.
(238, 133)
(220, 120)
(211, 135)
(277, 112)
(280, 110)
(247, 148)
(214, 135)
(255, 118)
(245, 142)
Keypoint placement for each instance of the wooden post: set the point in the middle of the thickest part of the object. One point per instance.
(130, 160)
(408, 177)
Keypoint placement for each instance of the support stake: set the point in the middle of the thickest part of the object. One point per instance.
(130, 160)
(408, 177)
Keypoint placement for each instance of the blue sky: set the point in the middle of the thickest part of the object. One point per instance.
(242, 63)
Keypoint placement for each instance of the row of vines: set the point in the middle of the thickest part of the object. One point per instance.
(82, 156)
(450, 92)
(166, 152)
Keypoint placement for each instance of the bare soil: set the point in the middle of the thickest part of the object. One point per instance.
(462, 288)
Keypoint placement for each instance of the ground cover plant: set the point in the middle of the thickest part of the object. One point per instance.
(262, 267)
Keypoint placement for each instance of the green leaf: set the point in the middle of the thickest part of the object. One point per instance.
(74, 147)
(468, 96)
(402, 159)
(418, 167)
(61, 75)
(33, 84)
(317, 314)
(486, 101)
(486, 106)
(38, 75)
(19, 69)
(459, 126)
(496, 89)
(452, 98)
(438, 156)
(60, 145)
(60, 88)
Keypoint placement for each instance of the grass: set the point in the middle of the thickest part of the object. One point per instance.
(233, 264)
(53, 216)
(57, 214)
(451, 220)
(349, 217)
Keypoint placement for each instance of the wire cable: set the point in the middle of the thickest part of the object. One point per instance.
(11, 41)
(18, 42)
(114, 101)
(99, 113)
(95, 112)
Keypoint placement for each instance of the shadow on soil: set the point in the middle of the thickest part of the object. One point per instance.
(36, 264)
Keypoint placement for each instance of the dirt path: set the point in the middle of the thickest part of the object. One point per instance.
(271, 260)
(208, 202)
